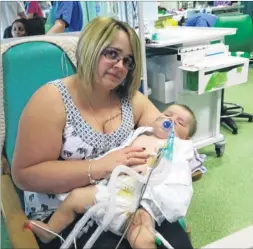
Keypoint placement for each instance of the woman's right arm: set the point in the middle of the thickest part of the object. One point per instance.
(35, 166)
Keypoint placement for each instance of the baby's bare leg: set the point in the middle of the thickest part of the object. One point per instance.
(139, 235)
(74, 204)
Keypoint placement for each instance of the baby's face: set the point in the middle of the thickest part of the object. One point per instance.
(182, 120)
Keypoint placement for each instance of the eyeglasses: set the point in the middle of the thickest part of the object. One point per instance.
(113, 55)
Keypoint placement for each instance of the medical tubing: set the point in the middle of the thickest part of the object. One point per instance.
(80, 224)
(159, 177)
(136, 209)
(93, 237)
(161, 172)
(112, 191)
(164, 156)
(161, 238)
(111, 206)
(139, 202)
(49, 231)
(164, 241)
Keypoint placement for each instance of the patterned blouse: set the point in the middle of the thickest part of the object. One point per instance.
(79, 142)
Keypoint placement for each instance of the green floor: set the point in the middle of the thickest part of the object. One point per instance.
(222, 201)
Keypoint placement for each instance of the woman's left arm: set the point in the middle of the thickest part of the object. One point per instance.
(145, 112)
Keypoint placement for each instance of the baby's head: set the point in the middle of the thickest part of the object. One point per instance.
(184, 120)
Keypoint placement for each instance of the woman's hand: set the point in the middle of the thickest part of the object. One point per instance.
(129, 156)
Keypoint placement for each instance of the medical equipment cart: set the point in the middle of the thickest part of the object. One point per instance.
(179, 65)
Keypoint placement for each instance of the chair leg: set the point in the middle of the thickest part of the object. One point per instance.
(231, 124)
(232, 108)
(245, 115)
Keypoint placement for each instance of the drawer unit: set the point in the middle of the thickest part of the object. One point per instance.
(213, 73)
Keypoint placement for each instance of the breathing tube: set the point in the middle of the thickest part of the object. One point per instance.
(162, 170)
(80, 224)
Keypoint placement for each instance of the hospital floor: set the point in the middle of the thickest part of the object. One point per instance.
(222, 201)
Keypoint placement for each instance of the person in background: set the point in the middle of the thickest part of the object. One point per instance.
(19, 28)
(25, 27)
(33, 9)
(9, 12)
(45, 7)
(201, 20)
(65, 16)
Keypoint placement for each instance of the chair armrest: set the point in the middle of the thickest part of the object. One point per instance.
(5, 166)
(14, 216)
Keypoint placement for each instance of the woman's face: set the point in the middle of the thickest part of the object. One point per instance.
(115, 62)
(18, 30)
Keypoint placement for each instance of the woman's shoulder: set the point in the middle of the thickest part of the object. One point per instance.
(139, 99)
(53, 95)
(53, 88)
(145, 112)
(46, 92)
(47, 99)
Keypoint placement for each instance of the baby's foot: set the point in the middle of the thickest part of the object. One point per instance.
(43, 235)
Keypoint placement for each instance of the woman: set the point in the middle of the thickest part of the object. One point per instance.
(71, 121)
(65, 16)
(19, 28)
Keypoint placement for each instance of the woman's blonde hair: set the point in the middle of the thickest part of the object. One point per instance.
(96, 36)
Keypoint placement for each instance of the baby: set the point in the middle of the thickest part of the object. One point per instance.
(155, 205)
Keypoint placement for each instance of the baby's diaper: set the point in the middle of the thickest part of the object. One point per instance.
(127, 193)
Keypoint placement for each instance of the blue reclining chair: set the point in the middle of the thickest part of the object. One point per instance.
(26, 67)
